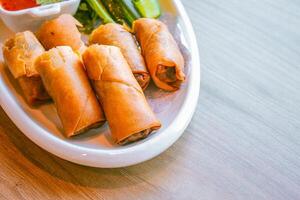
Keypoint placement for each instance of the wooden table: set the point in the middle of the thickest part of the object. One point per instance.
(244, 139)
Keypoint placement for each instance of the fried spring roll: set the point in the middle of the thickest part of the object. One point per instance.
(67, 83)
(61, 31)
(163, 57)
(117, 35)
(129, 116)
(19, 53)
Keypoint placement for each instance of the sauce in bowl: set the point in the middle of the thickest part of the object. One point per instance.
(13, 5)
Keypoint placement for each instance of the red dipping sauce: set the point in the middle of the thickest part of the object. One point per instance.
(13, 5)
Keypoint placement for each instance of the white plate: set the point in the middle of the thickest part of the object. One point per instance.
(95, 147)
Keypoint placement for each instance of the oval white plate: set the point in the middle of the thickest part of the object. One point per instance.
(95, 147)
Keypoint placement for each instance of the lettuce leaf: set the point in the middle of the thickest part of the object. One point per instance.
(87, 17)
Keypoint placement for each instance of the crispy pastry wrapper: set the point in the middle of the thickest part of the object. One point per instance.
(61, 31)
(163, 57)
(117, 35)
(19, 54)
(67, 83)
(129, 115)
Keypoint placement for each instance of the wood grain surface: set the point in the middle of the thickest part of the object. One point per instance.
(244, 139)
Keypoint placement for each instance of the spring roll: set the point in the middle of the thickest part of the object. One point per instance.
(163, 57)
(67, 83)
(61, 31)
(129, 116)
(117, 35)
(19, 54)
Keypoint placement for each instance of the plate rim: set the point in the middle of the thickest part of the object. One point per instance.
(117, 157)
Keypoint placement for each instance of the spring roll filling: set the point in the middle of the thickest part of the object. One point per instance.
(143, 79)
(135, 137)
(168, 74)
(34, 89)
(9, 44)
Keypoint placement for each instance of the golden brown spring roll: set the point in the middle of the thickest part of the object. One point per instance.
(67, 83)
(19, 53)
(163, 57)
(129, 116)
(61, 31)
(117, 35)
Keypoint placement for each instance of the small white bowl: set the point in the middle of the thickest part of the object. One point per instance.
(32, 18)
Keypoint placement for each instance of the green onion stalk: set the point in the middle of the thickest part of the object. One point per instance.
(147, 8)
(100, 10)
(122, 11)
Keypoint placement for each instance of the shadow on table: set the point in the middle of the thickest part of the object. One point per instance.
(77, 174)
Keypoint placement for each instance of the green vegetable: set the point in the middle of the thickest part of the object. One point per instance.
(100, 10)
(44, 2)
(115, 10)
(87, 17)
(131, 7)
(129, 12)
(121, 10)
(147, 8)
